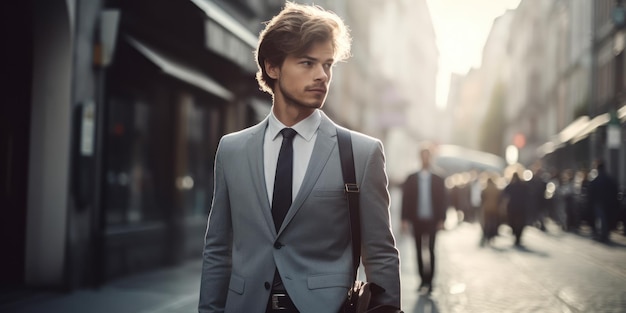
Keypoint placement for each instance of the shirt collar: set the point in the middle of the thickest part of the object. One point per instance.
(305, 128)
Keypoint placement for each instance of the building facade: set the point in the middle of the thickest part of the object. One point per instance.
(119, 107)
(593, 125)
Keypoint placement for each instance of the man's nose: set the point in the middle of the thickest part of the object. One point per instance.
(321, 73)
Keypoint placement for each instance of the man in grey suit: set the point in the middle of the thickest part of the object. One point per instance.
(257, 259)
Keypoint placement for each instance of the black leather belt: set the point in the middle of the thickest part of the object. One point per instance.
(280, 302)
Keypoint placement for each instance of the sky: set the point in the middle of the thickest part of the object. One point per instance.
(462, 27)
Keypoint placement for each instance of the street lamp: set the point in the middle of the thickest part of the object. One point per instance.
(613, 129)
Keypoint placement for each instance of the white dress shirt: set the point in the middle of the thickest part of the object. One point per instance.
(303, 144)
(425, 205)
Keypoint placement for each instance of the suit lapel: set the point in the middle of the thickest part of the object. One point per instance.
(324, 145)
(254, 150)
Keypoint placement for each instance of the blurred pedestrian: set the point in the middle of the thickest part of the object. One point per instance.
(553, 198)
(568, 216)
(278, 233)
(424, 204)
(536, 201)
(454, 194)
(490, 199)
(475, 190)
(515, 197)
(622, 209)
(603, 200)
(581, 187)
(465, 198)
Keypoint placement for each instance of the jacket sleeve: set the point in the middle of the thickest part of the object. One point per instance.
(216, 255)
(406, 194)
(379, 254)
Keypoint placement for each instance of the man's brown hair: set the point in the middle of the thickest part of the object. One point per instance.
(293, 31)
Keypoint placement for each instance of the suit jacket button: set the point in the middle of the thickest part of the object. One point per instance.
(267, 286)
(278, 245)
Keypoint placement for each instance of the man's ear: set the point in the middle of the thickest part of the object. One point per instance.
(271, 70)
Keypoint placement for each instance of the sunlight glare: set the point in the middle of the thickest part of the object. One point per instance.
(461, 28)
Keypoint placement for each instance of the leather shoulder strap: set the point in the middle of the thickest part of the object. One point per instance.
(344, 142)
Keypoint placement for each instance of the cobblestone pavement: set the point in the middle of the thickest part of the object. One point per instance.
(553, 271)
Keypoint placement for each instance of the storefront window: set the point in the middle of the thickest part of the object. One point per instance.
(197, 134)
(159, 158)
(129, 190)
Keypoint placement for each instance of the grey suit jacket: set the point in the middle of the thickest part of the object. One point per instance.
(312, 250)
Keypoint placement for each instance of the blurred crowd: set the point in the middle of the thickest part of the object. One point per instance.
(576, 200)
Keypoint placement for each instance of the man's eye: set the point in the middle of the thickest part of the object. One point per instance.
(307, 63)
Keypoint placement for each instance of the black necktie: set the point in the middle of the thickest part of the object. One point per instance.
(281, 199)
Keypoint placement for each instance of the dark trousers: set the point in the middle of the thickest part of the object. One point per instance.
(517, 221)
(425, 232)
(601, 216)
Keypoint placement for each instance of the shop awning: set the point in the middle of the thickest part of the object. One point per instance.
(215, 13)
(573, 129)
(228, 37)
(547, 148)
(596, 122)
(578, 130)
(181, 71)
(566, 134)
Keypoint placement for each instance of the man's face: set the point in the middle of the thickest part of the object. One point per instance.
(302, 81)
(425, 155)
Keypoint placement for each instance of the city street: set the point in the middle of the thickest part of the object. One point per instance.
(123, 119)
(553, 272)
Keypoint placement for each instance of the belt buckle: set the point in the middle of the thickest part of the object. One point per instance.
(275, 301)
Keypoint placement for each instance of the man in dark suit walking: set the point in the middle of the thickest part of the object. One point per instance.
(424, 208)
(603, 201)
